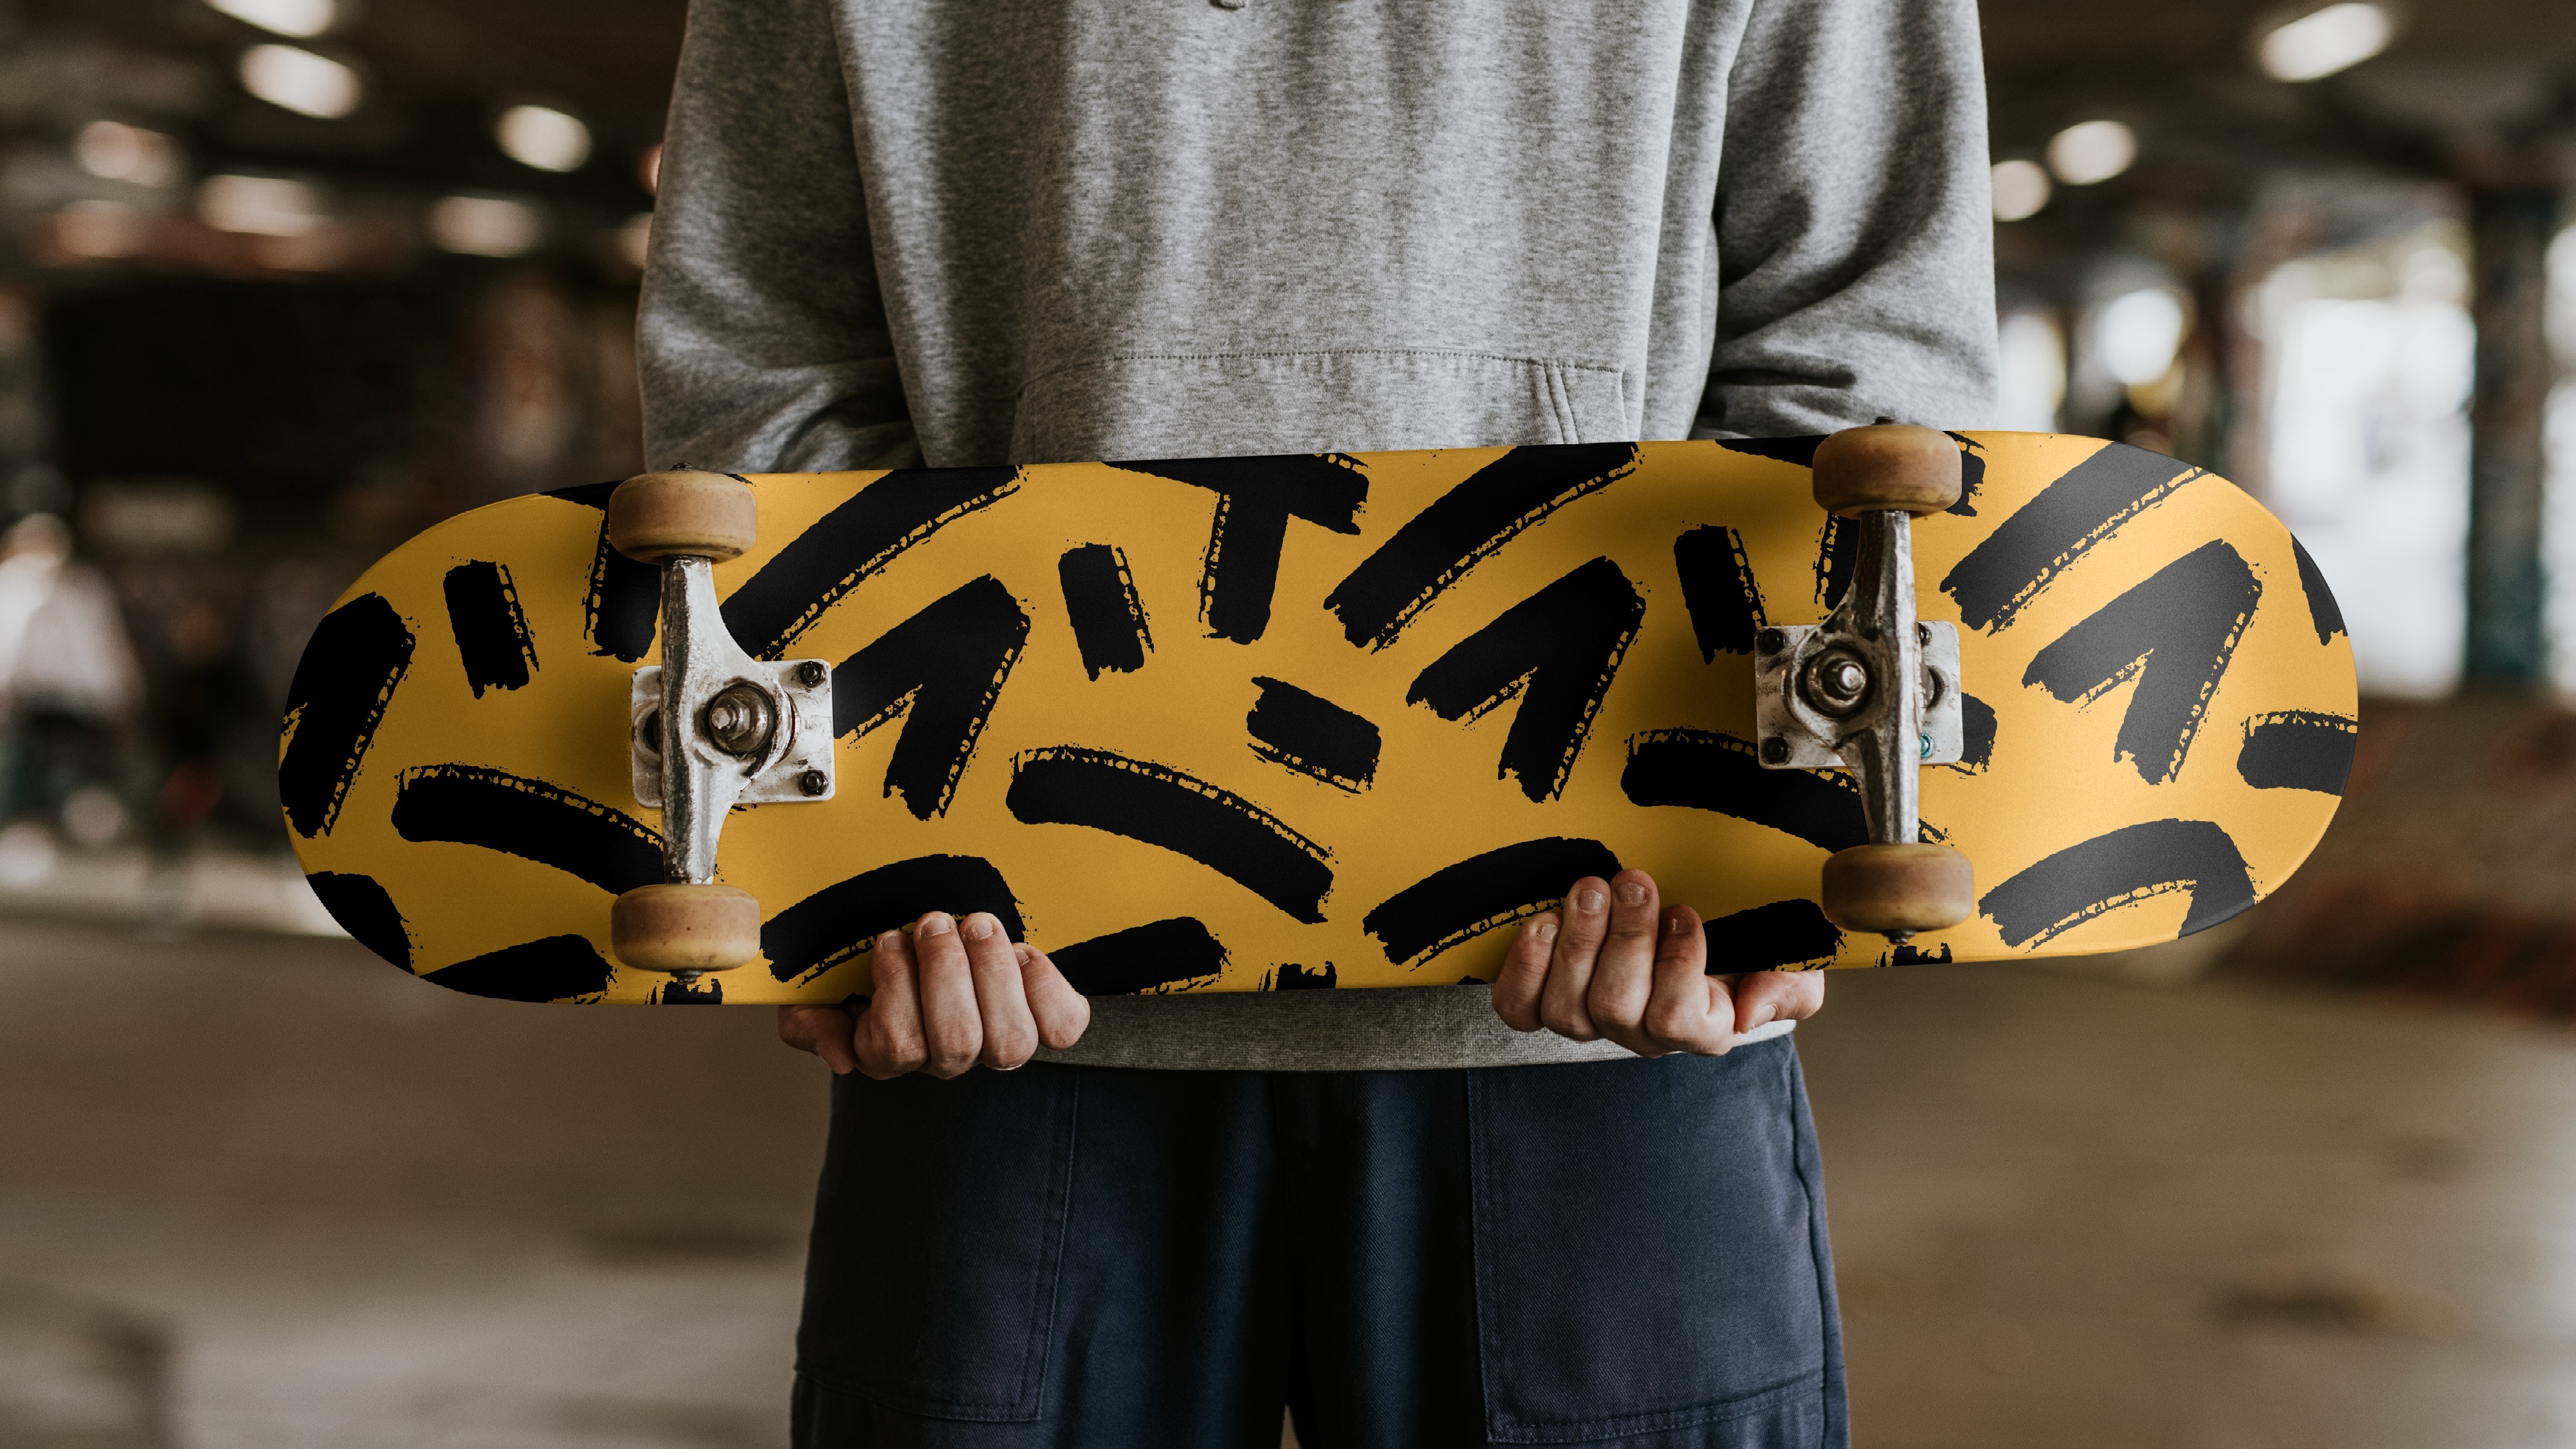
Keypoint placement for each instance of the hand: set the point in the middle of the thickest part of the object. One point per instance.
(950, 994)
(1614, 965)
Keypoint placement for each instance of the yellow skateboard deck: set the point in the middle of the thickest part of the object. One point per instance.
(1271, 723)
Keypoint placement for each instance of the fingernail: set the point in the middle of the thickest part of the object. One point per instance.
(886, 939)
(977, 926)
(1544, 930)
(1672, 925)
(1631, 894)
(936, 923)
(1023, 950)
(1587, 901)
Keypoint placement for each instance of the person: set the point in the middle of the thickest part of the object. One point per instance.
(1583, 1206)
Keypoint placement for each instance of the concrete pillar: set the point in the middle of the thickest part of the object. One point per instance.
(2510, 230)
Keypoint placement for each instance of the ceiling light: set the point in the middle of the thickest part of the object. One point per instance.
(101, 230)
(2021, 189)
(2091, 151)
(2138, 334)
(300, 18)
(114, 151)
(300, 81)
(260, 205)
(2325, 41)
(485, 226)
(544, 138)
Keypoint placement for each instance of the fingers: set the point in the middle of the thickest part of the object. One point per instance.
(1768, 996)
(889, 1036)
(1060, 1012)
(1007, 1034)
(826, 1031)
(1570, 964)
(1623, 975)
(1689, 1011)
(952, 1027)
(1524, 974)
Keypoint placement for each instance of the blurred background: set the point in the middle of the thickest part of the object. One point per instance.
(284, 281)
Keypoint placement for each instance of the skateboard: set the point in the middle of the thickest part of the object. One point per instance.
(1275, 723)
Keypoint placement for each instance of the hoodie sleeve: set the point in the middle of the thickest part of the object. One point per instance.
(762, 333)
(1854, 223)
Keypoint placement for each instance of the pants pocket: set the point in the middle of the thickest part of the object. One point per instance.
(1649, 1261)
(930, 1284)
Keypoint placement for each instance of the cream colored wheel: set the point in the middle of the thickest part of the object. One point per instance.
(685, 928)
(654, 516)
(1890, 466)
(1898, 888)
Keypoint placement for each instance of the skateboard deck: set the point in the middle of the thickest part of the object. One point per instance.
(1311, 721)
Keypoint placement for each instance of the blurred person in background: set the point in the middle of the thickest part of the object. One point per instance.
(69, 684)
(891, 235)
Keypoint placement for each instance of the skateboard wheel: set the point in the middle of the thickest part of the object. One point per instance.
(684, 512)
(1888, 466)
(685, 928)
(1898, 888)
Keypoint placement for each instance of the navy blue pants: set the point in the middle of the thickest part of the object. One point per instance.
(1625, 1251)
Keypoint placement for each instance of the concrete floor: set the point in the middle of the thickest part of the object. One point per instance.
(267, 1194)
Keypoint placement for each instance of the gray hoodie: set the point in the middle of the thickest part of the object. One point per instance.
(897, 232)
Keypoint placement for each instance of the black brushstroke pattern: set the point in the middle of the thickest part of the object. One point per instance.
(857, 539)
(1800, 450)
(1293, 977)
(1837, 559)
(1458, 902)
(1913, 955)
(2173, 635)
(708, 992)
(1706, 770)
(2324, 614)
(1977, 727)
(531, 819)
(1100, 600)
(2027, 551)
(366, 912)
(2121, 868)
(1161, 806)
(1312, 735)
(944, 668)
(1436, 547)
(624, 601)
(1972, 475)
(1719, 590)
(1255, 498)
(1141, 958)
(844, 920)
(347, 675)
(491, 630)
(1766, 938)
(588, 495)
(623, 607)
(2298, 749)
(550, 969)
(1557, 651)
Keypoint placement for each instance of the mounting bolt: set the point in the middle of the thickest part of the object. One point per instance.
(813, 783)
(1771, 641)
(1927, 745)
(1923, 634)
(810, 673)
(1775, 751)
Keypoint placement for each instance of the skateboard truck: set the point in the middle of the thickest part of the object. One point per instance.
(1873, 689)
(750, 732)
